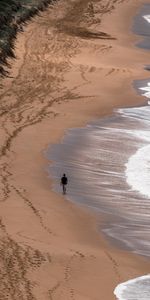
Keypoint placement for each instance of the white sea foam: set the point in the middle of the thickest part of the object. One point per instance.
(137, 113)
(138, 171)
(134, 289)
(138, 165)
(147, 18)
(146, 89)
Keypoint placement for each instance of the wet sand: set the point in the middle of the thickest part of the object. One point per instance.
(75, 62)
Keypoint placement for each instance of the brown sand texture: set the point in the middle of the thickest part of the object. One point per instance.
(75, 62)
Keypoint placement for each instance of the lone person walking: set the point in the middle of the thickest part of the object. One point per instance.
(64, 181)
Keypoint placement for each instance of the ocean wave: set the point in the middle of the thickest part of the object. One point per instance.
(134, 289)
(138, 171)
(147, 18)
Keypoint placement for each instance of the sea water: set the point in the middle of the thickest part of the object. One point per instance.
(134, 289)
(138, 170)
(108, 165)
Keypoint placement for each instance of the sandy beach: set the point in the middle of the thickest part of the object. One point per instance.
(75, 62)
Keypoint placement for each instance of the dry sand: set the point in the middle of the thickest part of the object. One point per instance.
(75, 62)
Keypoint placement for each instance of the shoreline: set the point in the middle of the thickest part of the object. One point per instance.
(46, 221)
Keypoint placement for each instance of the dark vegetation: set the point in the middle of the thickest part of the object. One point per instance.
(13, 14)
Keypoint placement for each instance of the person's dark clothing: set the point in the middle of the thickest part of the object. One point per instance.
(64, 181)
